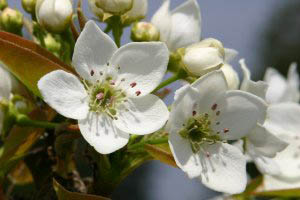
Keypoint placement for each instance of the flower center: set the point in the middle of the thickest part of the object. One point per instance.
(105, 97)
(198, 131)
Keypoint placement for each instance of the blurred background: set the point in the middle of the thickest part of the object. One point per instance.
(265, 33)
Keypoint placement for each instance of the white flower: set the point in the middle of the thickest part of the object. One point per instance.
(260, 143)
(281, 89)
(230, 74)
(137, 12)
(180, 27)
(203, 117)
(54, 15)
(203, 57)
(283, 120)
(5, 91)
(113, 98)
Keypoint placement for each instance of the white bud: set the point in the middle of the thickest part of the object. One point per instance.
(11, 20)
(137, 12)
(231, 76)
(143, 31)
(29, 6)
(203, 57)
(54, 15)
(116, 7)
(96, 10)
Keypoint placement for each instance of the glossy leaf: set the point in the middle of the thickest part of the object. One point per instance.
(64, 194)
(27, 60)
(161, 153)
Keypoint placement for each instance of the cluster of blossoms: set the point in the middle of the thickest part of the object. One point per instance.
(215, 124)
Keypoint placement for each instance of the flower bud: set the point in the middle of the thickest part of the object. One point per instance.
(11, 20)
(52, 44)
(3, 4)
(95, 10)
(116, 7)
(29, 6)
(143, 31)
(54, 15)
(231, 76)
(137, 12)
(203, 57)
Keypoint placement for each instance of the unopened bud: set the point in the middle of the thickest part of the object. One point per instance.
(3, 4)
(143, 31)
(54, 15)
(11, 20)
(231, 76)
(203, 57)
(29, 6)
(137, 12)
(52, 44)
(115, 7)
(95, 10)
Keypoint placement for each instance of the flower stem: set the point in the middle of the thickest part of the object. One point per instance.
(23, 120)
(153, 141)
(117, 29)
(179, 75)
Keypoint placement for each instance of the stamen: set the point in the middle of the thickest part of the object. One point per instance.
(194, 112)
(92, 72)
(100, 96)
(133, 84)
(214, 107)
(226, 130)
(138, 93)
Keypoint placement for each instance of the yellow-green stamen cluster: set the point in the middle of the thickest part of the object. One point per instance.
(198, 131)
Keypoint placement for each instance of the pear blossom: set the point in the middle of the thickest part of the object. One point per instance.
(5, 91)
(282, 89)
(203, 117)
(115, 6)
(179, 27)
(260, 143)
(54, 15)
(112, 98)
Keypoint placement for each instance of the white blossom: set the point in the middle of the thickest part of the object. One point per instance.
(179, 27)
(54, 15)
(280, 88)
(203, 117)
(260, 143)
(230, 74)
(113, 97)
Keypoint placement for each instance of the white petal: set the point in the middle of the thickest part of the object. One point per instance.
(5, 84)
(292, 93)
(65, 93)
(230, 54)
(258, 88)
(186, 25)
(224, 168)
(266, 165)
(100, 132)
(275, 183)
(184, 156)
(277, 85)
(138, 10)
(162, 20)
(92, 51)
(145, 115)
(283, 119)
(231, 76)
(143, 63)
(289, 159)
(210, 87)
(239, 113)
(182, 107)
(265, 143)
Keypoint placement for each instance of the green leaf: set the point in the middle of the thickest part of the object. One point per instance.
(27, 60)
(64, 194)
(162, 153)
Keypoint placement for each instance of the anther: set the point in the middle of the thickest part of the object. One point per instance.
(133, 84)
(123, 79)
(107, 63)
(100, 96)
(101, 73)
(194, 112)
(214, 107)
(207, 154)
(112, 82)
(138, 93)
(218, 113)
(226, 130)
(92, 72)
